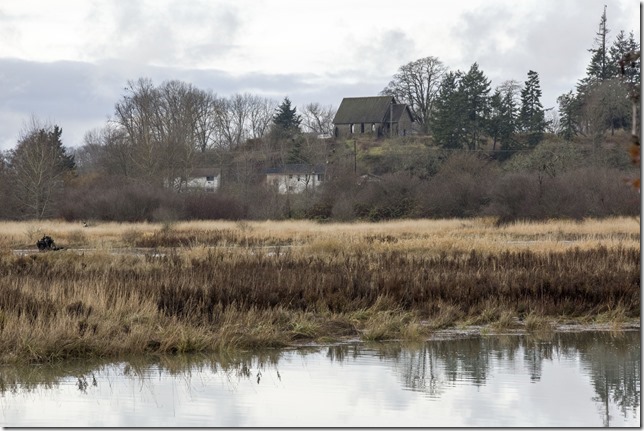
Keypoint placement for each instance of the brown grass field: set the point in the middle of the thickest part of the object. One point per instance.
(118, 289)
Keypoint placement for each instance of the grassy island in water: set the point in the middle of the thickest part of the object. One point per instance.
(117, 289)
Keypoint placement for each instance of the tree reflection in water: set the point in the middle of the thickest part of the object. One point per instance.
(611, 360)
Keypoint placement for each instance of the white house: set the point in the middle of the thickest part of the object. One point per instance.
(207, 179)
(199, 179)
(295, 178)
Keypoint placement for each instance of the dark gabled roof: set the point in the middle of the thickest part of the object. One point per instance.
(398, 112)
(363, 110)
(298, 168)
(203, 172)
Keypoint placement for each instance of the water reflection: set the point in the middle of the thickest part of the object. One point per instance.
(501, 380)
(611, 360)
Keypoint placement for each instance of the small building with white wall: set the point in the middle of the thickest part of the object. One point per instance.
(198, 179)
(295, 178)
(206, 179)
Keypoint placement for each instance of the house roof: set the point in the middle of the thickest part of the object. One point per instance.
(374, 109)
(297, 168)
(363, 109)
(398, 111)
(203, 172)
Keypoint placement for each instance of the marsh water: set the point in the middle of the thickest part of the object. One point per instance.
(582, 379)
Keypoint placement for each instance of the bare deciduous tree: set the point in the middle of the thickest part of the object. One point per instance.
(241, 117)
(164, 128)
(260, 115)
(6, 189)
(318, 119)
(205, 114)
(417, 84)
(606, 106)
(553, 122)
(106, 150)
(231, 117)
(179, 104)
(137, 113)
(39, 164)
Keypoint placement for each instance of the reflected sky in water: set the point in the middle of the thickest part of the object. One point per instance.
(585, 379)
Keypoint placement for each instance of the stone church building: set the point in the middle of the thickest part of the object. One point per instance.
(380, 116)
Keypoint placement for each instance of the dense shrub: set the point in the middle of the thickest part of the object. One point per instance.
(591, 192)
(514, 196)
(204, 206)
(117, 199)
(384, 180)
(321, 210)
(392, 196)
(576, 194)
(461, 188)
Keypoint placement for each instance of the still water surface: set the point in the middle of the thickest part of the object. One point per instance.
(571, 379)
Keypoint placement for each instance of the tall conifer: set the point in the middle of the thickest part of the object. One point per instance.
(531, 116)
(286, 118)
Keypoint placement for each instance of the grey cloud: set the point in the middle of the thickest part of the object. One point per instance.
(547, 42)
(81, 96)
(61, 93)
(385, 53)
(141, 33)
(56, 87)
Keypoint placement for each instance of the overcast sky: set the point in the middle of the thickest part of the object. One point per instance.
(67, 62)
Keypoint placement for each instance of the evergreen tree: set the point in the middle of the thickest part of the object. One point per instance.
(65, 161)
(475, 88)
(462, 109)
(495, 122)
(568, 113)
(621, 46)
(531, 116)
(295, 152)
(449, 119)
(509, 114)
(601, 100)
(599, 67)
(286, 118)
(503, 117)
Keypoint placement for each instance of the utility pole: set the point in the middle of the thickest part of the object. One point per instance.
(355, 158)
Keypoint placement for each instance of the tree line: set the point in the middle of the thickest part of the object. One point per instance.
(460, 110)
(133, 167)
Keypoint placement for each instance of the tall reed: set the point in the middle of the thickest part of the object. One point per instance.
(300, 282)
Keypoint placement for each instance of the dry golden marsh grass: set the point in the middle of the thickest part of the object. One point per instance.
(210, 286)
(407, 235)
